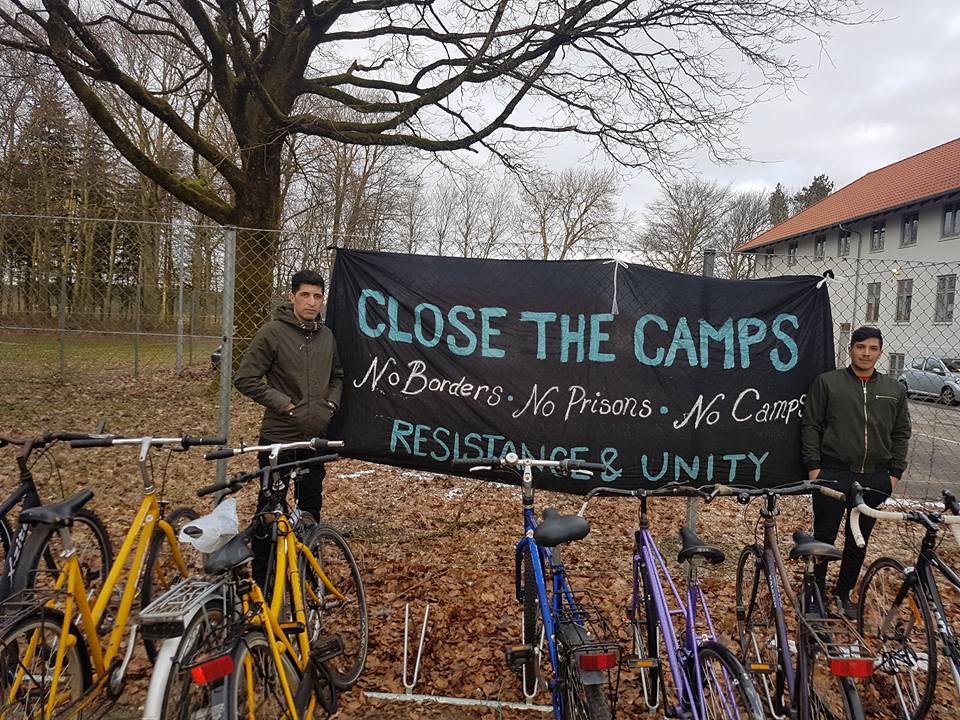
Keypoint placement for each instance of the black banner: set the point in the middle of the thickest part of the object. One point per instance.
(658, 376)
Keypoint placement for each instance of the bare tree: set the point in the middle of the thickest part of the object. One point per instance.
(682, 222)
(574, 207)
(644, 82)
(443, 210)
(747, 215)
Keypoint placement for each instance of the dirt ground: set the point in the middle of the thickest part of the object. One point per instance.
(420, 538)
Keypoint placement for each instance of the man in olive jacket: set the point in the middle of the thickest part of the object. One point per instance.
(292, 369)
(855, 428)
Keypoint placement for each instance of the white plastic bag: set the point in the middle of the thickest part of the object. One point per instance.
(216, 528)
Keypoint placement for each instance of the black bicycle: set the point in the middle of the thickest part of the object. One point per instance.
(95, 550)
(901, 612)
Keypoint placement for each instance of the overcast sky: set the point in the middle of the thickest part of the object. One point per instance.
(886, 91)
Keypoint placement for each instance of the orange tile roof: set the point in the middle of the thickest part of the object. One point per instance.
(925, 175)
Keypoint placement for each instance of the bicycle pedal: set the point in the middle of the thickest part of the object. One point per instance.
(326, 647)
(292, 628)
(643, 663)
(518, 656)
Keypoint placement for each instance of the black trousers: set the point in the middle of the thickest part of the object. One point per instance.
(308, 491)
(827, 514)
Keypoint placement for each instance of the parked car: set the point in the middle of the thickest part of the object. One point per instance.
(937, 377)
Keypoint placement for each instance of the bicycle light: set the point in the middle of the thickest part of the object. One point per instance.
(209, 671)
(598, 661)
(851, 667)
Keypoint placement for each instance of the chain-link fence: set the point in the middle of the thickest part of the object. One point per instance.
(84, 298)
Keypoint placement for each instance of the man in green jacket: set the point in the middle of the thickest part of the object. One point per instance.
(855, 428)
(292, 369)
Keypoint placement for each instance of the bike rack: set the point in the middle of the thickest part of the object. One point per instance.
(409, 683)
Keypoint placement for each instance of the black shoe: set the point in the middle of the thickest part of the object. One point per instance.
(845, 606)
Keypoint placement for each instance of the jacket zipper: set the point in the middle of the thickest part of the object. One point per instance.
(866, 423)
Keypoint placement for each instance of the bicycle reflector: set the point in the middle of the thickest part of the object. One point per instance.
(598, 661)
(211, 670)
(851, 667)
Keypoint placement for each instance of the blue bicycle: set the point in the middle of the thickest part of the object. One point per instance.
(584, 655)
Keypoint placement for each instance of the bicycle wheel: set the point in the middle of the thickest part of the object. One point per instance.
(646, 646)
(6, 537)
(583, 702)
(343, 612)
(820, 694)
(42, 557)
(728, 691)
(26, 682)
(160, 571)
(184, 699)
(254, 689)
(757, 629)
(894, 619)
(531, 630)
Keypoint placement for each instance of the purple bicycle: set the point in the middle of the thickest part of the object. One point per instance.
(708, 681)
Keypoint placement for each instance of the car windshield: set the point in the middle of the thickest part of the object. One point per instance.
(953, 364)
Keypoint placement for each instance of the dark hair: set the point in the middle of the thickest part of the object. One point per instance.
(865, 333)
(306, 277)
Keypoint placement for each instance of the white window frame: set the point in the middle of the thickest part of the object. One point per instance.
(904, 301)
(873, 303)
(946, 298)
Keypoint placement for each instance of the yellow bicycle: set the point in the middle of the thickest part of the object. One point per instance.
(279, 657)
(52, 660)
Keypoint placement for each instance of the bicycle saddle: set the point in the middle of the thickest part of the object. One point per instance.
(556, 529)
(59, 514)
(806, 546)
(234, 553)
(695, 547)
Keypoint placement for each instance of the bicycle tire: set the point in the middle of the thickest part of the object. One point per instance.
(327, 614)
(532, 624)
(646, 645)
(252, 654)
(204, 631)
(159, 571)
(584, 702)
(36, 628)
(732, 682)
(96, 557)
(757, 624)
(6, 538)
(906, 655)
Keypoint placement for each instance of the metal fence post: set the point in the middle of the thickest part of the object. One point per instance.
(226, 348)
(709, 264)
(62, 311)
(180, 310)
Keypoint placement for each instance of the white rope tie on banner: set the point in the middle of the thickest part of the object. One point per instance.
(617, 264)
(828, 276)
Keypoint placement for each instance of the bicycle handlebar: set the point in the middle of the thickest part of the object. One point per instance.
(233, 484)
(187, 441)
(745, 492)
(317, 444)
(512, 460)
(929, 520)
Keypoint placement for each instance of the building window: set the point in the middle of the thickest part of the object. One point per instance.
(843, 247)
(878, 234)
(768, 259)
(894, 364)
(843, 344)
(946, 298)
(904, 300)
(792, 252)
(819, 245)
(951, 219)
(908, 235)
(873, 302)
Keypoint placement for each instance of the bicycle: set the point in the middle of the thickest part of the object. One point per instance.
(234, 642)
(97, 549)
(708, 679)
(830, 653)
(52, 660)
(901, 611)
(584, 660)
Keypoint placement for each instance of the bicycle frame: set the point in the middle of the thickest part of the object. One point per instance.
(70, 580)
(649, 572)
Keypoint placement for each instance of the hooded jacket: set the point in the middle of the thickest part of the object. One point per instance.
(292, 362)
